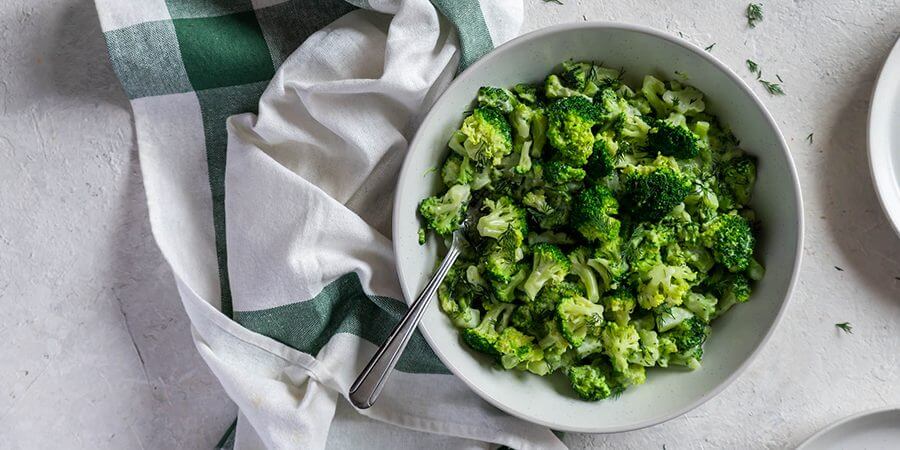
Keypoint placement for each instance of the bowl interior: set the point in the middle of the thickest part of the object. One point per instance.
(735, 337)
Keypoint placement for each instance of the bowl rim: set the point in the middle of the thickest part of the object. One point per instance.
(593, 25)
(880, 104)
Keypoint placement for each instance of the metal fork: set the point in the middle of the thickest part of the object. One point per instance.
(371, 380)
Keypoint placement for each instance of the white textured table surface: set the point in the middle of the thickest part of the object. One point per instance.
(96, 347)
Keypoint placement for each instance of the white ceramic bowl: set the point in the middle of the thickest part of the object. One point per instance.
(736, 337)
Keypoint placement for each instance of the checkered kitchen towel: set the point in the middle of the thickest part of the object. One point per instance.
(275, 221)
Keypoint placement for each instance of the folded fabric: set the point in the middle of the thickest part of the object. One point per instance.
(287, 232)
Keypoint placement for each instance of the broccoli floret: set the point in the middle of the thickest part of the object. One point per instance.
(503, 255)
(620, 342)
(504, 291)
(632, 375)
(652, 89)
(484, 337)
(530, 126)
(731, 241)
(589, 383)
(592, 214)
(457, 170)
(602, 161)
(649, 349)
(702, 202)
(664, 284)
(685, 100)
(688, 334)
(608, 262)
(666, 348)
(549, 207)
(580, 268)
(457, 296)
(549, 264)
(553, 293)
(652, 191)
(445, 214)
(576, 74)
(702, 305)
(499, 98)
(421, 236)
(557, 173)
(732, 289)
(674, 140)
(485, 137)
(618, 306)
(527, 93)
(554, 88)
(557, 350)
(739, 175)
(621, 117)
(578, 318)
(516, 348)
(569, 128)
(689, 358)
(669, 317)
(503, 214)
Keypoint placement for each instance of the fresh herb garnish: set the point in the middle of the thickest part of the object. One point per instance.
(558, 2)
(709, 49)
(429, 170)
(773, 88)
(845, 326)
(838, 269)
(468, 112)
(809, 138)
(779, 78)
(754, 14)
(754, 68)
(683, 76)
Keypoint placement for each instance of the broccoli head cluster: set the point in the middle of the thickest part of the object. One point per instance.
(606, 227)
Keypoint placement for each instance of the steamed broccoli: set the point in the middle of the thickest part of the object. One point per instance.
(674, 140)
(485, 137)
(578, 318)
(739, 175)
(484, 336)
(592, 214)
(549, 207)
(618, 306)
(620, 342)
(516, 348)
(499, 98)
(610, 227)
(445, 214)
(589, 383)
(549, 264)
(570, 120)
(731, 289)
(503, 214)
(602, 161)
(731, 241)
(581, 269)
(652, 191)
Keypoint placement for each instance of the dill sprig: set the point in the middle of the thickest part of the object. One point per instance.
(754, 14)
(845, 326)
(558, 2)
(773, 88)
(809, 138)
(754, 68)
(709, 49)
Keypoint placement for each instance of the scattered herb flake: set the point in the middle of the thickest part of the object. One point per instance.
(754, 68)
(709, 49)
(681, 35)
(754, 14)
(467, 112)
(421, 236)
(897, 278)
(779, 78)
(683, 76)
(558, 2)
(845, 326)
(773, 88)
(838, 269)
(584, 17)
(430, 170)
(809, 138)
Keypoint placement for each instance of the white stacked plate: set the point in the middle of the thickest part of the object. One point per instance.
(884, 137)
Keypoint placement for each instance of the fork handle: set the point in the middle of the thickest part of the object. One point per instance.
(368, 385)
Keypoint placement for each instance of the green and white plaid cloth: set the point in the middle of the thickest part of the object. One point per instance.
(270, 134)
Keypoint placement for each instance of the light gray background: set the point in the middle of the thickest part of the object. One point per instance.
(95, 346)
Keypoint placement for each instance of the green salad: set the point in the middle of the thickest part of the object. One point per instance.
(606, 227)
